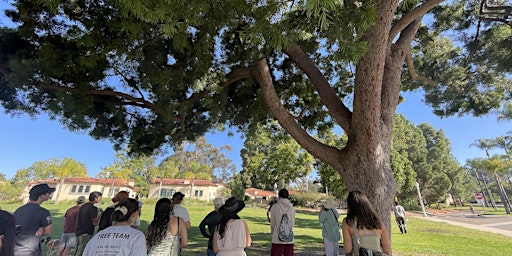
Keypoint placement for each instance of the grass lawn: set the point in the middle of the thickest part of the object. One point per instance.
(423, 238)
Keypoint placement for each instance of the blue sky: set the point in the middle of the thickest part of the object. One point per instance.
(24, 140)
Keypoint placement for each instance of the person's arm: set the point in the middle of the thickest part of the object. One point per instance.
(321, 217)
(48, 230)
(215, 246)
(248, 239)
(96, 219)
(347, 238)
(268, 215)
(385, 242)
(202, 226)
(183, 233)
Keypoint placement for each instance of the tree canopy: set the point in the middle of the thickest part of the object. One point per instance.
(122, 68)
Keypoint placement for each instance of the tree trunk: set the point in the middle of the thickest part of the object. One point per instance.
(58, 191)
(503, 197)
(493, 203)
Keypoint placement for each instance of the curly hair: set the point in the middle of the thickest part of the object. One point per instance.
(159, 226)
(360, 210)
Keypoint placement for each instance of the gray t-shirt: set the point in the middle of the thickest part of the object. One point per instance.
(117, 240)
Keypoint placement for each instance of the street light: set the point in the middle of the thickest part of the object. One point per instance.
(421, 200)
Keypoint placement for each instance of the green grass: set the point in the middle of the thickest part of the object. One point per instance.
(423, 238)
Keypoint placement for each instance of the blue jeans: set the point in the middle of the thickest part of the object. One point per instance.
(209, 252)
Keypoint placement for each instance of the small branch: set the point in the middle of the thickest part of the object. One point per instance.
(414, 75)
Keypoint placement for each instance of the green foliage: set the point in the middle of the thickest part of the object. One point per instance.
(307, 199)
(50, 169)
(271, 157)
(9, 192)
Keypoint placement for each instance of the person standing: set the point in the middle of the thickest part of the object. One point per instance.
(283, 206)
(179, 210)
(34, 221)
(68, 238)
(106, 217)
(362, 227)
(7, 233)
(119, 239)
(88, 217)
(166, 234)
(400, 217)
(210, 221)
(328, 219)
(232, 235)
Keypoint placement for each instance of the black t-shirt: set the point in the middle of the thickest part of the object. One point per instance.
(31, 217)
(84, 223)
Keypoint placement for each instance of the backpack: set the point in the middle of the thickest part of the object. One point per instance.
(285, 233)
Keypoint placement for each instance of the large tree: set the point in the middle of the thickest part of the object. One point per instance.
(149, 73)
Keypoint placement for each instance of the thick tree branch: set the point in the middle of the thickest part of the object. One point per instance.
(411, 16)
(337, 109)
(319, 150)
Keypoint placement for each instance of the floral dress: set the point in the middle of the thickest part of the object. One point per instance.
(169, 246)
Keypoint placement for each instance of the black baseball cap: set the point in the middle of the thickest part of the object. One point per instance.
(41, 189)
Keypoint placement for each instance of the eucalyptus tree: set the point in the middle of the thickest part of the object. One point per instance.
(214, 161)
(148, 73)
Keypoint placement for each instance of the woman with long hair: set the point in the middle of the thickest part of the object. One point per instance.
(165, 232)
(120, 238)
(362, 218)
(232, 235)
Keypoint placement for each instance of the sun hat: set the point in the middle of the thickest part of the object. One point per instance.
(41, 189)
(217, 202)
(80, 199)
(329, 204)
(232, 206)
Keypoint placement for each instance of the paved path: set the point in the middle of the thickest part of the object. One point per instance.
(497, 224)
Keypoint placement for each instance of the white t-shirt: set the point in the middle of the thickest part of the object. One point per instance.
(181, 212)
(117, 240)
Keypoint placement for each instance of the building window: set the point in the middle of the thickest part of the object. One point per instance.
(112, 191)
(162, 192)
(170, 192)
(80, 189)
(198, 193)
(73, 189)
(87, 189)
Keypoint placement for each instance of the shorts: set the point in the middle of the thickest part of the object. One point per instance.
(68, 240)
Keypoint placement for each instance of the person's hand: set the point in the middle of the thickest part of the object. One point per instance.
(40, 231)
(1, 240)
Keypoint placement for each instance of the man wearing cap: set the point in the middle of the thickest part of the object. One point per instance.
(283, 205)
(211, 220)
(88, 217)
(34, 221)
(179, 210)
(68, 238)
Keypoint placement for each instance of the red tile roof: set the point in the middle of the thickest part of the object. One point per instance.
(116, 182)
(167, 181)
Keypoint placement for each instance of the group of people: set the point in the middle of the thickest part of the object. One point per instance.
(228, 234)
